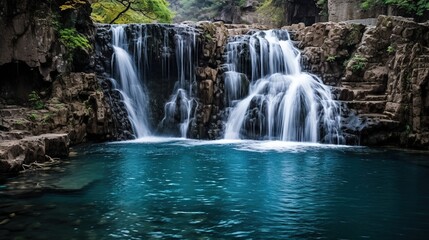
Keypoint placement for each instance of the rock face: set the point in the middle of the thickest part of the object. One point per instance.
(342, 10)
(379, 73)
(15, 154)
(46, 87)
(208, 122)
(27, 36)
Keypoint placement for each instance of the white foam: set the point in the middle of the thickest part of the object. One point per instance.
(152, 139)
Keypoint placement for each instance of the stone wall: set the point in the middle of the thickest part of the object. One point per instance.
(379, 73)
(208, 122)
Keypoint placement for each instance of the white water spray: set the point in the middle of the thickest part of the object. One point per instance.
(130, 84)
(283, 102)
(179, 108)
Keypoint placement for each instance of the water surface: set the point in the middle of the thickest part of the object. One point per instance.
(219, 190)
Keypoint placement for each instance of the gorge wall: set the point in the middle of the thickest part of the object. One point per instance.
(343, 10)
(46, 87)
(379, 73)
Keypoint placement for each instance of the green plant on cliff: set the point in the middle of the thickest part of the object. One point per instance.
(323, 6)
(74, 40)
(35, 100)
(417, 7)
(46, 118)
(131, 11)
(390, 49)
(72, 4)
(197, 10)
(331, 59)
(274, 10)
(32, 117)
(358, 63)
(354, 34)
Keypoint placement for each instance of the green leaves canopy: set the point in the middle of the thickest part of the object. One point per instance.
(417, 7)
(201, 9)
(131, 11)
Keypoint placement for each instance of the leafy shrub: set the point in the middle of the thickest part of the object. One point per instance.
(32, 117)
(417, 7)
(358, 63)
(35, 101)
(74, 40)
(331, 59)
(72, 4)
(390, 49)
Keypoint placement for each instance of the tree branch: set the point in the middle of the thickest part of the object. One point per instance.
(127, 7)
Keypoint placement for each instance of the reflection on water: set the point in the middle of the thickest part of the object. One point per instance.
(225, 189)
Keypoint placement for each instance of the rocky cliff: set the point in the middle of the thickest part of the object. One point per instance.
(379, 73)
(342, 10)
(47, 87)
(208, 122)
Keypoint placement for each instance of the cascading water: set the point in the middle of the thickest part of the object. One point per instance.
(149, 63)
(281, 102)
(179, 108)
(130, 80)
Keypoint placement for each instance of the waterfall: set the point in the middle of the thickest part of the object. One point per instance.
(281, 102)
(129, 77)
(178, 110)
(153, 66)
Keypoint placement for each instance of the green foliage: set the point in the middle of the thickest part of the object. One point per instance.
(46, 118)
(390, 49)
(275, 10)
(202, 10)
(331, 59)
(353, 36)
(35, 100)
(131, 11)
(74, 40)
(32, 117)
(72, 4)
(417, 7)
(358, 63)
(323, 5)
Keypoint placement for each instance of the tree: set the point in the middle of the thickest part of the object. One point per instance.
(127, 11)
(417, 7)
(202, 9)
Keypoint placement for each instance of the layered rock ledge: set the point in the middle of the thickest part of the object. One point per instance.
(17, 154)
(379, 73)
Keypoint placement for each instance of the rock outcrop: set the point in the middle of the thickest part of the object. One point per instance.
(379, 73)
(17, 154)
(342, 10)
(46, 86)
(208, 122)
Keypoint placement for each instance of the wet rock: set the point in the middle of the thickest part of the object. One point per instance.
(15, 153)
(380, 73)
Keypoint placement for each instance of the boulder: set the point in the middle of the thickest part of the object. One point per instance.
(14, 154)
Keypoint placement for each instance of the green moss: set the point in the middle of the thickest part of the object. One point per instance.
(32, 117)
(390, 49)
(323, 6)
(331, 59)
(35, 100)
(416, 7)
(353, 36)
(46, 118)
(358, 63)
(74, 40)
